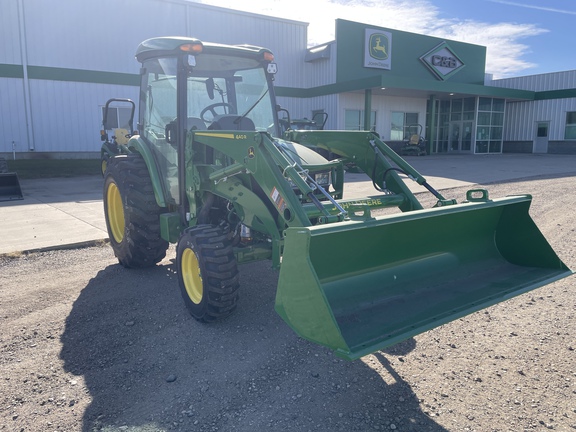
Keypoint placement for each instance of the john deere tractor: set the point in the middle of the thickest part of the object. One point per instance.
(209, 169)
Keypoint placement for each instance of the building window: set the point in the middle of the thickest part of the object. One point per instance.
(542, 130)
(401, 122)
(570, 132)
(354, 120)
(490, 125)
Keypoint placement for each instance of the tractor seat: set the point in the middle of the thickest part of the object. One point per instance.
(232, 122)
(414, 139)
(195, 123)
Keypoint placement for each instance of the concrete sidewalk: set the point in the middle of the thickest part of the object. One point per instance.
(57, 213)
(54, 213)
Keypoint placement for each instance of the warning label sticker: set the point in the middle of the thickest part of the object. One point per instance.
(278, 200)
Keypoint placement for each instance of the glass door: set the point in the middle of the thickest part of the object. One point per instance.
(466, 141)
(460, 138)
(454, 137)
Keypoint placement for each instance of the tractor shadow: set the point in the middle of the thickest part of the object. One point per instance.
(148, 366)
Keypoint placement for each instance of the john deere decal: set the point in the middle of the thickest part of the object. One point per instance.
(378, 49)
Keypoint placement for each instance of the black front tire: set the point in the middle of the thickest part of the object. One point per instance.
(131, 212)
(207, 272)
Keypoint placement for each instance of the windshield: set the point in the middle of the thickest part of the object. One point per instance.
(244, 93)
(210, 94)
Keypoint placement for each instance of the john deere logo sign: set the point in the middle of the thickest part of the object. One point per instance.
(378, 49)
(442, 61)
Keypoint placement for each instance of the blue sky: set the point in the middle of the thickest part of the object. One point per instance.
(523, 37)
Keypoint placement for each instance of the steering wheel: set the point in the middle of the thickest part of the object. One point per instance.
(212, 109)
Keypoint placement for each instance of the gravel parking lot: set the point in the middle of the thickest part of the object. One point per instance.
(87, 345)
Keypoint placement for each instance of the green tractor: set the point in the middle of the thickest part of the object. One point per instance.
(209, 169)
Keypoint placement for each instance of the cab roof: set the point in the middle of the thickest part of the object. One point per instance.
(173, 45)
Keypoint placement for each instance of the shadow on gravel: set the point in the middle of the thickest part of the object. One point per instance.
(148, 366)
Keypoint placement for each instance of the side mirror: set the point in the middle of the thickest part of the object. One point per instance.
(170, 132)
(210, 88)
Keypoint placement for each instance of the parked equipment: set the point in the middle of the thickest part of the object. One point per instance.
(211, 171)
(414, 144)
(110, 124)
(9, 184)
(317, 123)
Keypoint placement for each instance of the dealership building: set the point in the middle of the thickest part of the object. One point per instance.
(57, 73)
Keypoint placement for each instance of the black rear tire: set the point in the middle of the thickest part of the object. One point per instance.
(103, 164)
(207, 272)
(131, 212)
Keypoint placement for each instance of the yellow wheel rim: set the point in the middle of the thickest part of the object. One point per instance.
(115, 212)
(191, 276)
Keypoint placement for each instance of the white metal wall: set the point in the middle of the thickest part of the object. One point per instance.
(315, 73)
(102, 36)
(384, 106)
(543, 82)
(300, 108)
(9, 29)
(12, 116)
(521, 116)
(321, 71)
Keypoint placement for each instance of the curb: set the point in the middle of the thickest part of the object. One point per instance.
(69, 246)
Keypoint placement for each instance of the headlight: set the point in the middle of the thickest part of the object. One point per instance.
(323, 178)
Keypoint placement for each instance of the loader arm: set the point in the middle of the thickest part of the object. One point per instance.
(255, 154)
(374, 157)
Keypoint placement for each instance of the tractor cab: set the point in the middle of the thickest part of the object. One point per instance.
(189, 87)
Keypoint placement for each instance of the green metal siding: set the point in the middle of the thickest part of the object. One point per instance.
(406, 50)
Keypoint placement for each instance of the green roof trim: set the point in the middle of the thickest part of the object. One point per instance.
(11, 71)
(81, 75)
(556, 94)
(376, 81)
(328, 89)
(432, 87)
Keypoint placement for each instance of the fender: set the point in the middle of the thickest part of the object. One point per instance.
(137, 145)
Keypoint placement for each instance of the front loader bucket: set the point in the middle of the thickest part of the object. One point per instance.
(10, 187)
(358, 287)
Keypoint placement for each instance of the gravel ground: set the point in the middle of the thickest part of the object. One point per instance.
(87, 345)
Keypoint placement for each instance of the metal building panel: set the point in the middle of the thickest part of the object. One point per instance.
(286, 39)
(9, 33)
(67, 115)
(100, 35)
(12, 116)
(304, 107)
(542, 82)
(322, 70)
(104, 35)
(98, 39)
(521, 118)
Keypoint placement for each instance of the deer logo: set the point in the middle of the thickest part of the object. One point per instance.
(379, 46)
